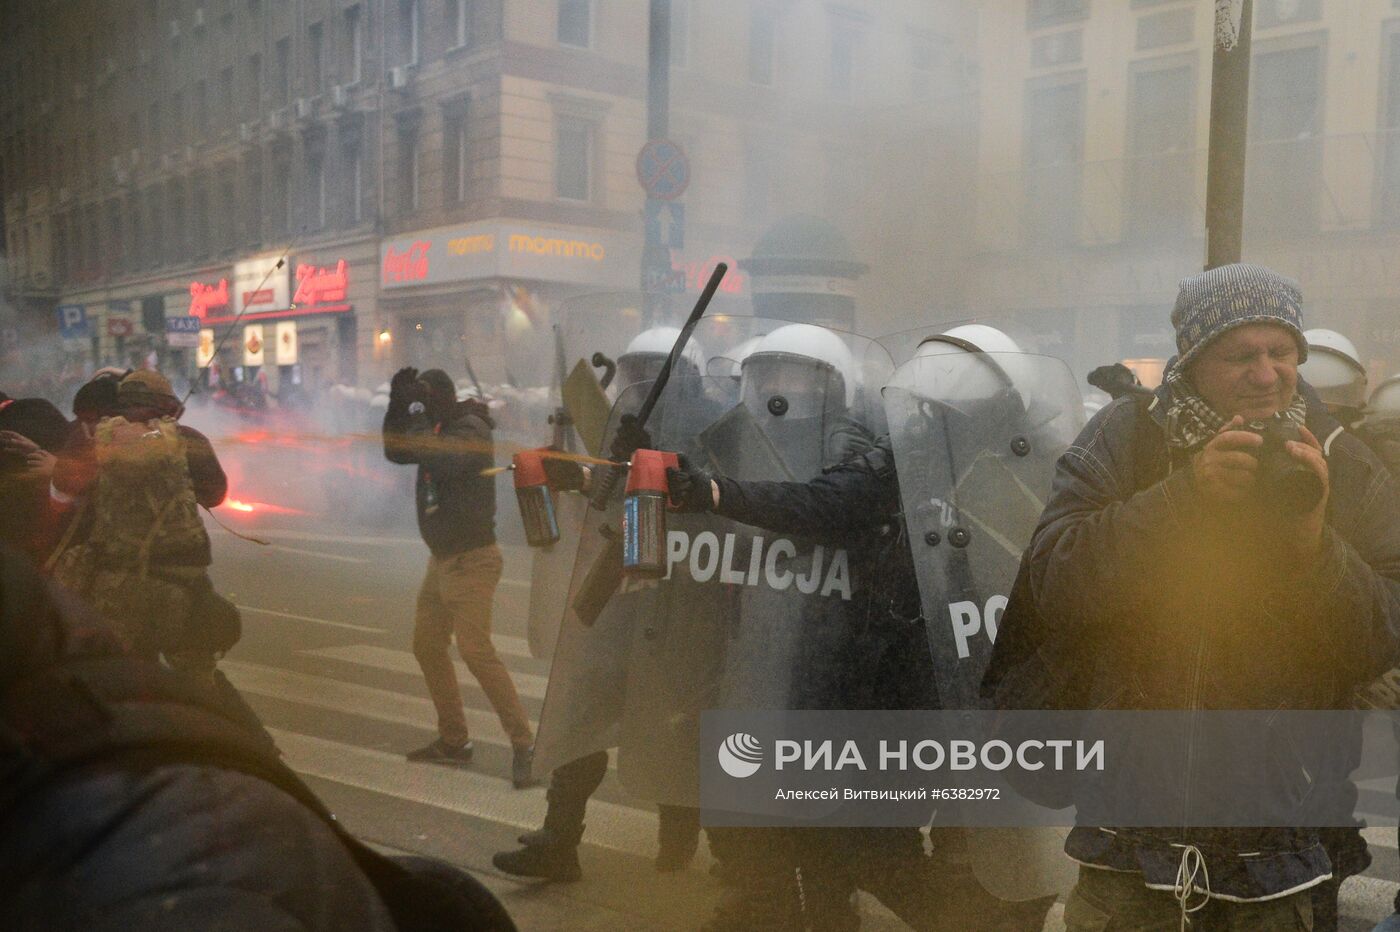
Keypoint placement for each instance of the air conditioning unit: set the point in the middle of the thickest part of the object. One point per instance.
(45, 107)
(135, 157)
(190, 153)
(63, 195)
(199, 18)
(340, 97)
(167, 162)
(119, 174)
(79, 90)
(174, 29)
(277, 119)
(305, 108)
(400, 76)
(245, 132)
(143, 57)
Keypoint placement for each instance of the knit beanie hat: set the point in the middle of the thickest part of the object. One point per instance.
(147, 388)
(1215, 302)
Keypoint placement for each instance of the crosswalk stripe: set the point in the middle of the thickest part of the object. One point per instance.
(613, 826)
(505, 643)
(320, 621)
(382, 705)
(528, 685)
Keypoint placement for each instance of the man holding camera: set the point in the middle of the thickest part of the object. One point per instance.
(1202, 551)
(450, 441)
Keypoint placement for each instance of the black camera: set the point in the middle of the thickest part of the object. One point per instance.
(1283, 480)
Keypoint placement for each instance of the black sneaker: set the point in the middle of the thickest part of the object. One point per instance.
(551, 859)
(440, 752)
(522, 760)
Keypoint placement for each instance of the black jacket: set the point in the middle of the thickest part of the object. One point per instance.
(856, 504)
(456, 503)
(1139, 596)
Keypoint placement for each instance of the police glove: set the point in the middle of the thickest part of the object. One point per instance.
(690, 487)
(630, 438)
(564, 475)
(404, 385)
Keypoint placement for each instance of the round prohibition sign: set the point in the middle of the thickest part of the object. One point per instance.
(663, 169)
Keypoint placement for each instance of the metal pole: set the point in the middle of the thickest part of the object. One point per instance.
(655, 256)
(1229, 127)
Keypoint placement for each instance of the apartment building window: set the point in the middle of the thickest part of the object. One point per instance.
(354, 181)
(1054, 152)
(573, 158)
(1269, 14)
(254, 100)
(1285, 142)
(280, 194)
(316, 190)
(282, 75)
(680, 34)
(1161, 180)
(459, 22)
(1388, 163)
(575, 23)
(410, 31)
(761, 35)
(456, 161)
(354, 44)
(315, 58)
(1043, 13)
(409, 181)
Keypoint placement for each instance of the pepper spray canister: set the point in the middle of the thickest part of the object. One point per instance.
(644, 514)
(535, 499)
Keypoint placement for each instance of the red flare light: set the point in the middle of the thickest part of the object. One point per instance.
(238, 505)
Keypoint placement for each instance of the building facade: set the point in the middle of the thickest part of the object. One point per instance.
(461, 167)
(1092, 167)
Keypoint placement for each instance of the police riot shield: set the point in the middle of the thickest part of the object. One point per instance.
(975, 438)
(748, 617)
(720, 627)
(610, 324)
(583, 702)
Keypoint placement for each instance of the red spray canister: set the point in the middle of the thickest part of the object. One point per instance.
(535, 500)
(644, 514)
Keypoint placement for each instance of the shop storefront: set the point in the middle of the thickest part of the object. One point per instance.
(487, 290)
(283, 325)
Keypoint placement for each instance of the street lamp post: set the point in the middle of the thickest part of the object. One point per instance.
(1229, 125)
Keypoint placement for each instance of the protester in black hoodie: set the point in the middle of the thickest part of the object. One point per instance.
(450, 441)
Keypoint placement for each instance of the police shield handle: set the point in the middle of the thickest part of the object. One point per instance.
(603, 578)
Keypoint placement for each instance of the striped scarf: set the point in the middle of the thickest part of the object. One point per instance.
(1191, 422)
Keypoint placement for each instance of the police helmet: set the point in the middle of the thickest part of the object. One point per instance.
(1334, 369)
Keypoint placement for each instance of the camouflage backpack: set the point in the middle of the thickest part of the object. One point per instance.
(143, 512)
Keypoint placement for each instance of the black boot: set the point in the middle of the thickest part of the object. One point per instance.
(678, 836)
(549, 856)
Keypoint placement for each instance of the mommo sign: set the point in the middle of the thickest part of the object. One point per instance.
(565, 254)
